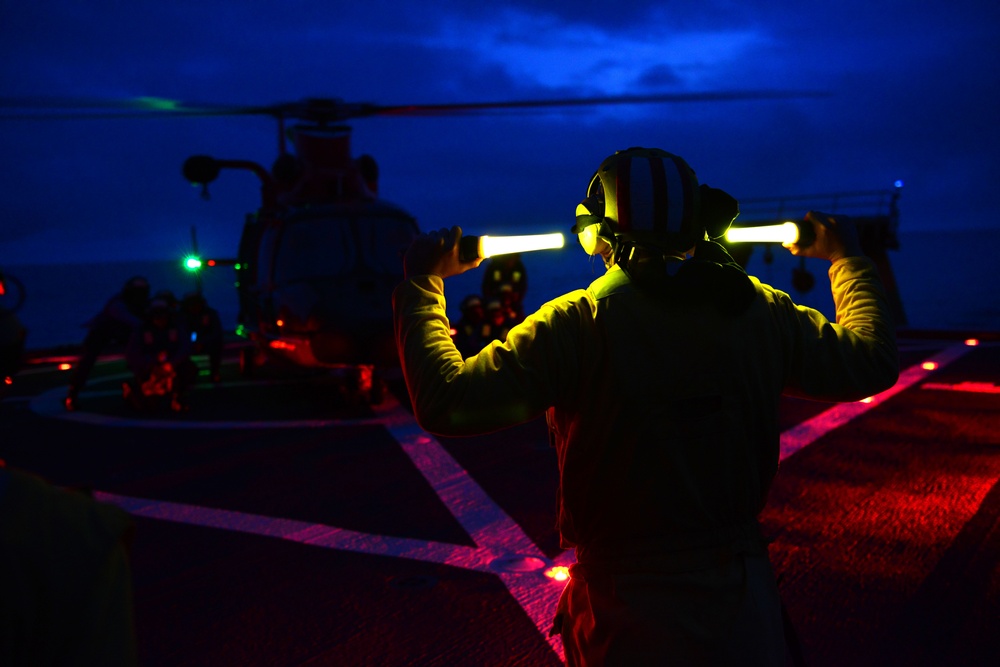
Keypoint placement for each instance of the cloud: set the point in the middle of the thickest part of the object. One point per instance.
(543, 49)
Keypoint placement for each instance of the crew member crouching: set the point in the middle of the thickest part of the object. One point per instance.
(159, 356)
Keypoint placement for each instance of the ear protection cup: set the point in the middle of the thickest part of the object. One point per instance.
(595, 238)
(588, 239)
(718, 210)
(591, 226)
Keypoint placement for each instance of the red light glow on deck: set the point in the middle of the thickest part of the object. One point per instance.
(282, 345)
(929, 365)
(365, 377)
(8, 380)
(558, 573)
(65, 367)
(972, 342)
(970, 387)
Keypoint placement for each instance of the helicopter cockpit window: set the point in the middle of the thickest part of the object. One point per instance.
(383, 241)
(314, 248)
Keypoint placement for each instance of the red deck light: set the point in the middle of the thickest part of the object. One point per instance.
(558, 573)
(929, 365)
(65, 367)
(972, 342)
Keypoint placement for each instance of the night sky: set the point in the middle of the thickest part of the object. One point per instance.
(911, 94)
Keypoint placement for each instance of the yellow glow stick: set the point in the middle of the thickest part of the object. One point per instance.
(473, 247)
(787, 233)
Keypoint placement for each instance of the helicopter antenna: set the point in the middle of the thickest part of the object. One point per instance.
(194, 250)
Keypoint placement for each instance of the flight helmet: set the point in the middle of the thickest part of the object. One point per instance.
(649, 197)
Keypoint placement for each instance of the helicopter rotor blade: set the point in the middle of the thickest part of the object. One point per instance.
(86, 108)
(710, 96)
(332, 110)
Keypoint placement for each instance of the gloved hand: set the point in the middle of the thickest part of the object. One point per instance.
(436, 253)
(836, 238)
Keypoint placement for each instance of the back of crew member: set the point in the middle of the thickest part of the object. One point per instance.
(114, 324)
(660, 383)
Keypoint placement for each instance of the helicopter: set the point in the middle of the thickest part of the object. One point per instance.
(318, 260)
(319, 257)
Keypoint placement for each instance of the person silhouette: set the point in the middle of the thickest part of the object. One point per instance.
(158, 355)
(660, 383)
(122, 313)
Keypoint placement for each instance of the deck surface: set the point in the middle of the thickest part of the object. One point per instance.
(280, 522)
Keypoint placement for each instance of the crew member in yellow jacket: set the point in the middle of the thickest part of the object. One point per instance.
(660, 382)
(65, 577)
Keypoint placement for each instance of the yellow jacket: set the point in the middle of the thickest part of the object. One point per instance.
(665, 416)
(65, 577)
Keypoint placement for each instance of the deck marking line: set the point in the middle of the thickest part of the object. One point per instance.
(807, 432)
(495, 534)
(535, 593)
(485, 522)
(302, 532)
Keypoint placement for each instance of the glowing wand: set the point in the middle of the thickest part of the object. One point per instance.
(799, 233)
(474, 247)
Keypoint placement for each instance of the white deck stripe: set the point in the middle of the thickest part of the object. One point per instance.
(484, 521)
(807, 432)
(497, 537)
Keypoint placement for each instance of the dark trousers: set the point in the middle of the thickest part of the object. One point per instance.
(728, 614)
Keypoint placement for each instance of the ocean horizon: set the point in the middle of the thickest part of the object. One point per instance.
(946, 281)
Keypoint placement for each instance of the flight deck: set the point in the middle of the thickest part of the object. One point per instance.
(282, 521)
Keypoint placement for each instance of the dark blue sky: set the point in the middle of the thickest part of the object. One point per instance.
(913, 96)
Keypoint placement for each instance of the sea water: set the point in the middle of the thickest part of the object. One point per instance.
(946, 280)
